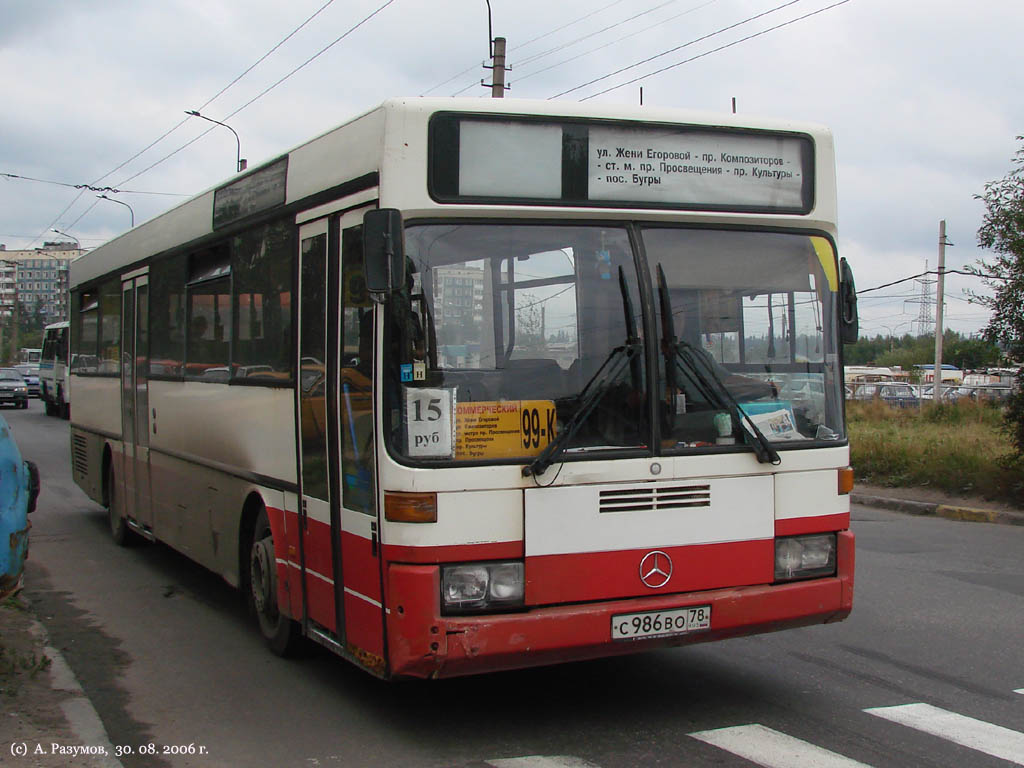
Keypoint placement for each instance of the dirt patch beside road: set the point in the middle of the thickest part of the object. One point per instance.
(30, 707)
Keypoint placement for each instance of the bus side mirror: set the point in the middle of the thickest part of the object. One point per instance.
(849, 324)
(383, 252)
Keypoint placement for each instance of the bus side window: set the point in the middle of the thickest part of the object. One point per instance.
(356, 391)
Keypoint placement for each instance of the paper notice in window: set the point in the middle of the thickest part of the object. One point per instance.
(503, 429)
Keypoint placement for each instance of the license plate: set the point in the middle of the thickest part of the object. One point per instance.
(677, 621)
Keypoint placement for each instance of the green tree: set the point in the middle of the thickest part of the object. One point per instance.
(1002, 232)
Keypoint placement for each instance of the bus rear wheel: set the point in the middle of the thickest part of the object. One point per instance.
(280, 633)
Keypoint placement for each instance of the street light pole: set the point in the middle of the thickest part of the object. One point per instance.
(132, 212)
(242, 164)
(78, 243)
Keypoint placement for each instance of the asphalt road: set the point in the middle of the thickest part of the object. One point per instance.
(928, 671)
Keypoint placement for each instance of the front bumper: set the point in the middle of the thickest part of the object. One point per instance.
(423, 643)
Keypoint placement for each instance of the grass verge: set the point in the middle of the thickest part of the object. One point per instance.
(958, 448)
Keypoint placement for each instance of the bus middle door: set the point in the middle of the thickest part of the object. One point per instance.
(135, 399)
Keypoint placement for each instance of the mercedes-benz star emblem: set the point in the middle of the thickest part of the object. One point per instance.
(655, 569)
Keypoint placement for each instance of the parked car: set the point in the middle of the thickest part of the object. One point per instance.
(31, 374)
(895, 394)
(19, 489)
(981, 392)
(13, 389)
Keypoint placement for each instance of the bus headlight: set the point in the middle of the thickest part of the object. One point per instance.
(805, 557)
(481, 587)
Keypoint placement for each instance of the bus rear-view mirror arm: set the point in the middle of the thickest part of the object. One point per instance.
(383, 252)
(849, 324)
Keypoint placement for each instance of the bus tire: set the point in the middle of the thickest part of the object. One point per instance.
(280, 633)
(119, 531)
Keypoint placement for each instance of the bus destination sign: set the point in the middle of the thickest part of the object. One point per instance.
(718, 169)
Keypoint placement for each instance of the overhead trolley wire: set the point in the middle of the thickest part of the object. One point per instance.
(721, 47)
(90, 187)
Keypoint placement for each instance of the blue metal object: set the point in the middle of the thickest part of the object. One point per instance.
(19, 488)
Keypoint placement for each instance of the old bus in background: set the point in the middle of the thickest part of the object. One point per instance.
(468, 385)
(54, 370)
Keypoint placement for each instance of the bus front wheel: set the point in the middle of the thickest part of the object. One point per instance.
(115, 511)
(280, 633)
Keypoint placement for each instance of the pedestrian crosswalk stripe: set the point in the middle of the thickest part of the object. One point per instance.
(769, 748)
(542, 761)
(1019, 690)
(984, 737)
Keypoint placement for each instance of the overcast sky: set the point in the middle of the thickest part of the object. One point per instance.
(924, 99)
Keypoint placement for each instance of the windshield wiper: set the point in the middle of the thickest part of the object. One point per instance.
(695, 365)
(596, 388)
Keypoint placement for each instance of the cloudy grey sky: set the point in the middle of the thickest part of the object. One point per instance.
(924, 99)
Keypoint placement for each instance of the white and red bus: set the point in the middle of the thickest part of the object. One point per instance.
(468, 385)
(54, 370)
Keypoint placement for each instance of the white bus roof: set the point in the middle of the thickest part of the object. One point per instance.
(390, 141)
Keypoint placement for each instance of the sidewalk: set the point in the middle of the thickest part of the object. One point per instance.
(46, 720)
(933, 503)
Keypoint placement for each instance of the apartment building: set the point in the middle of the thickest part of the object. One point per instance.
(37, 277)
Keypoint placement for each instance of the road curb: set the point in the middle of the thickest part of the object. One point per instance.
(933, 509)
(82, 717)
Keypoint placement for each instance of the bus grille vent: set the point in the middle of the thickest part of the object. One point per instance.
(80, 454)
(651, 498)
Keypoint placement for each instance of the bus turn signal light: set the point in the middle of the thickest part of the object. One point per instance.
(410, 507)
(845, 481)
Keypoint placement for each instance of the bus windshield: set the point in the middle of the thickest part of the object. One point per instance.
(511, 337)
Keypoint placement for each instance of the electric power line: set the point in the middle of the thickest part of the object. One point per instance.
(673, 50)
(719, 48)
(613, 42)
(176, 127)
(267, 90)
(523, 45)
(933, 272)
(563, 46)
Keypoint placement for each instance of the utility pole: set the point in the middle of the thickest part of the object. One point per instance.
(498, 79)
(496, 49)
(939, 297)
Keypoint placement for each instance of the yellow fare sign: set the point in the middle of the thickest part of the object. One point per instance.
(503, 429)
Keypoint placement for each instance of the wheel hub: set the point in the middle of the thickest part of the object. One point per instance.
(262, 571)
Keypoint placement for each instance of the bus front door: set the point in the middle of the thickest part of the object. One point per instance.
(135, 399)
(339, 547)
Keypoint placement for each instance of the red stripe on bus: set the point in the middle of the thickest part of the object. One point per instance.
(570, 578)
(821, 524)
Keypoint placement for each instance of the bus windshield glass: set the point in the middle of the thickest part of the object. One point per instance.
(510, 338)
